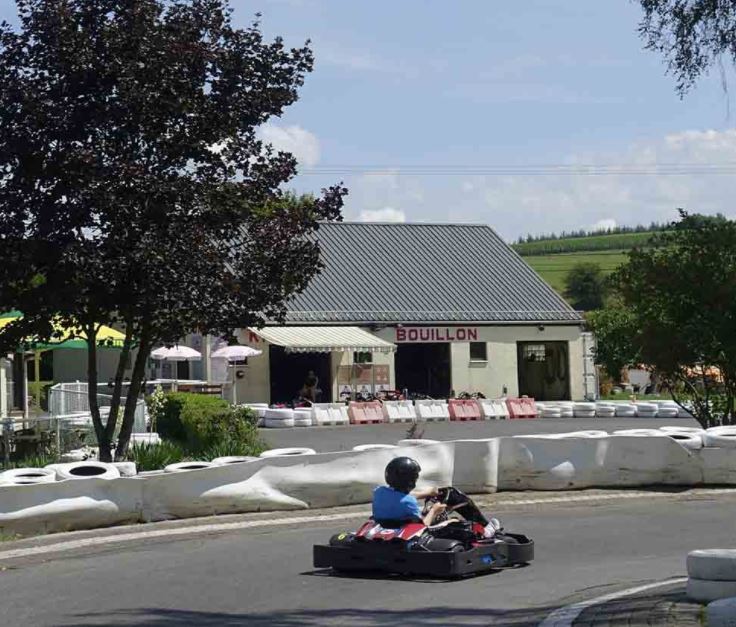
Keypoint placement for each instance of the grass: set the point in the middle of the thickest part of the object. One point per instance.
(554, 268)
(616, 241)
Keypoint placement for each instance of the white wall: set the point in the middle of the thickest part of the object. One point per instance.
(3, 389)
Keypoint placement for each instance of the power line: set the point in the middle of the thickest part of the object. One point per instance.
(660, 169)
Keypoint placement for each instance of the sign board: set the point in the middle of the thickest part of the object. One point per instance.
(408, 335)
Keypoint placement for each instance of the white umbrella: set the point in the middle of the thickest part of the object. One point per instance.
(176, 353)
(235, 353)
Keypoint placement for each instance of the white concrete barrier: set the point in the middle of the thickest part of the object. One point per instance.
(331, 414)
(583, 459)
(69, 505)
(494, 408)
(399, 411)
(432, 410)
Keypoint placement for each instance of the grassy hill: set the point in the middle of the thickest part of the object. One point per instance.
(554, 268)
(553, 258)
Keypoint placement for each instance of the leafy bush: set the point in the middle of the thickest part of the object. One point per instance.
(156, 456)
(35, 461)
(170, 426)
(208, 424)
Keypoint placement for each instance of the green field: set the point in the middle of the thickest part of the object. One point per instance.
(554, 268)
(614, 243)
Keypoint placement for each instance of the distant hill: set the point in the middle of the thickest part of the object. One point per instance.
(553, 258)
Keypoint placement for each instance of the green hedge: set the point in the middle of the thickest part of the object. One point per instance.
(199, 422)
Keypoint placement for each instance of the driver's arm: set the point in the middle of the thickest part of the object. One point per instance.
(432, 513)
(425, 493)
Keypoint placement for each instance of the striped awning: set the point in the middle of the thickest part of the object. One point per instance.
(324, 339)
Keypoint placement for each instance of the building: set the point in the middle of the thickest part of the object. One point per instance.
(435, 309)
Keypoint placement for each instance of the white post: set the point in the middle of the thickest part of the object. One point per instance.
(207, 358)
(3, 390)
(235, 390)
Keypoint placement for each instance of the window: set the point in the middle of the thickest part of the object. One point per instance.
(478, 351)
(534, 352)
(362, 358)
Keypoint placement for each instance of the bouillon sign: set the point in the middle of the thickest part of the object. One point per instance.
(435, 334)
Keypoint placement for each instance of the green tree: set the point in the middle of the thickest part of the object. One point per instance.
(692, 35)
(133, 188)
(678, 315)
(585, 286)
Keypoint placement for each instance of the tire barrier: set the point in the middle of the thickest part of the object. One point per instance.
(278, 418)
(85, 470)
(605, 410)
(640, 432)
(27, 476)
(712, 564)
(126, 469)
(545, 410)
(704, 590)
(692, 441)
(625, 410)
(646, 410)
(720, 437)
(187, 466)
(287, 452)
(372, 447)
(303, 417)
(300, 478)
(233, 459)
(583, 410)
(721, 613)
(567, 409)
(667, 409)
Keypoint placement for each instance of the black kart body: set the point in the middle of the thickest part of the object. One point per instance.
(450, 549)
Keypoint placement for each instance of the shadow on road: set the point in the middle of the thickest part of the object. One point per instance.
(424, 617)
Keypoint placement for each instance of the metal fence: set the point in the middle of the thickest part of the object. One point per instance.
(71, 400)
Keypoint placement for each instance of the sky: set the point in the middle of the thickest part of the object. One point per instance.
(436, 111)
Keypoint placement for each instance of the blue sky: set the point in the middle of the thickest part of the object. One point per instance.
(480, 83)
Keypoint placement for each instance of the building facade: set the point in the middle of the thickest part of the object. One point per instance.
(434, 310)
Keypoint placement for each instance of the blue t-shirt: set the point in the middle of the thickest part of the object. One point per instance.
(390, 504)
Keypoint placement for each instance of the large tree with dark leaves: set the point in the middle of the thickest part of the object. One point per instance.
(133, 188)
(692, 35)
(677, 315)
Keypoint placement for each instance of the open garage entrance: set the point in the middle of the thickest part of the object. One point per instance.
(544, 370)
(424, 369)
(289, 373)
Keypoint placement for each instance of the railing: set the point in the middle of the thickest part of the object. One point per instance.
(71, 399)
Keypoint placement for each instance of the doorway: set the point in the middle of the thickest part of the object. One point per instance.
(544, 370)
(288, 373)
(424, 369)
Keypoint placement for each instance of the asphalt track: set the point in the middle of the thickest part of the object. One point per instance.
(326, 439)
(263, 576)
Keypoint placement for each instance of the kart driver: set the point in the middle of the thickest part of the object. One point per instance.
(394, 503)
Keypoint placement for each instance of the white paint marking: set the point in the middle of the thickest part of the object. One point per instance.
(98, 541)
(566, 616)
(72, 545)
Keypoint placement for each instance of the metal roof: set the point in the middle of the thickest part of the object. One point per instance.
(417, 273)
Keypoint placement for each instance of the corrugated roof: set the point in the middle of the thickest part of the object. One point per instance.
(414, 273)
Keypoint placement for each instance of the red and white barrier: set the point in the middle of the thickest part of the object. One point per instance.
(365, 413)
(521, 407)
(464, 409)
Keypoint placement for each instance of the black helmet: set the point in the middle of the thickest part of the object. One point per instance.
(402, 474)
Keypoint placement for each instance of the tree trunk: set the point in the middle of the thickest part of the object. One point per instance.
(118, 383)
(100, 431)
(136, 380)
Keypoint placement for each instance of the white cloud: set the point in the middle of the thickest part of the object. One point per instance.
(387, 214)
(294, 139)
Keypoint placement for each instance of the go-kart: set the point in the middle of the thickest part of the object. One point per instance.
(449, 548)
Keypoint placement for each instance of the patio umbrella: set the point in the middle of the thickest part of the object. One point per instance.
(176, 353)
(233, 354)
